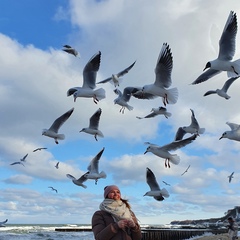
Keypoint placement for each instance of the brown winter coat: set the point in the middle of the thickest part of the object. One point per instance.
(104, 228)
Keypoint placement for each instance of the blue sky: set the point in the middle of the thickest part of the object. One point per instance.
(36, 74)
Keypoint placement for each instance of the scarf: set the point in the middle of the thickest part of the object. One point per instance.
(116, 208)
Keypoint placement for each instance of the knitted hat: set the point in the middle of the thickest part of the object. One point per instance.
(109, 188)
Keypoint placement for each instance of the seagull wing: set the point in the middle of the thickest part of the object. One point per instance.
(126, 70)
(209, 92)
(118, 92)
(71, 177)
(127, 93)
(90, 71)
(83, 178)
(164, 67)
(24, 158)
(151, 180)
(206, 75)
(194, 122)
(94, 120)
(179, 144)
(228, 38)
(59, 121)
(233, 126)
(105, 80)
(179, 134)
(93, 166)
(228, 83)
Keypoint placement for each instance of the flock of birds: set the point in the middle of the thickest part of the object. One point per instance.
(159, 88)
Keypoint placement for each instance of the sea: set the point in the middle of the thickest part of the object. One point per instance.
(43, 232)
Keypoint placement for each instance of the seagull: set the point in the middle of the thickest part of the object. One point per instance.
(115, 77)
(2, 224)
(19, 162)
(230, 177)
(234, 134)
(24, 158)
(123, 98)
(163, 152)
(155, 191)
(54, 189)
(70, 50)
(57, 165)
(52, 132)
(193, 128)
(39, 149)
(93, 172)
(166, 183)
(223, 91)
(89, 81)
(185, 170)
(80, 181)
(93, 125)
(157, 111)
(226, 52)
(163, 80)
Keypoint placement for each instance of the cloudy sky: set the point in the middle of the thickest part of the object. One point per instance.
(35, 75)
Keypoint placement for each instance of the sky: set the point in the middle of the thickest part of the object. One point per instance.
(35, 75)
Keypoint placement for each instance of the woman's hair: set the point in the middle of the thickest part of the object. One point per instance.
(126, 202)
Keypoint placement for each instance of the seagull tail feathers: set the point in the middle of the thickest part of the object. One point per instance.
(175, 159)
(168, 114)
(201, 130)
(172, 95)
(103, 174)
(236, 72)
(164, 192)
(61, 136)
(130, 108)
(100, 93)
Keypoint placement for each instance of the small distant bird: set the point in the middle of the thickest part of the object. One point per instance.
(163, 81)
(89, 82)
(57, 165)
(54, 189)
(223, 91)
(70, 50)
(24, 158)
(157, 111)
(123, 98)
(185, 170)
(78, 182)
(93, 168)
(115, 78)
(2, 224)
(234, 134)
(39, 149)
(193, 128)
(230, 177)
(93, 125)
(155, 191)
(163, 152)
(52, 132)
(226, 52)
(166, 183)
(19, 162)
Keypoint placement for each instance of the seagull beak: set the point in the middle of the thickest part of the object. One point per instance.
(145, 151)
(220, 138)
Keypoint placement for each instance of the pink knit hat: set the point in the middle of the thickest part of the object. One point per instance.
(109, 188)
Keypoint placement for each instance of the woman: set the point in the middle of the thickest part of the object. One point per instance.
(115, 220)
(232, 229)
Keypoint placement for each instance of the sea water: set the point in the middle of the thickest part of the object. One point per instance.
(43, 232)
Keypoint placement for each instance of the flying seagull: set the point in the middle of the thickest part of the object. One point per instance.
(52, 132)
(163, 152)
(54, 189)
(93, 125)
(234, 134)
(193, 128)
(78, 182)
(89, 81)
(2, 224)
(155, 191)
(156, 112)
(226, 52)
(70, 50)
(123, 98)
(116, 77)
(163, 81)
(39, 149)
(93, 168)
(223, 91)
(230, 177)
(57, 165)
(185, 170)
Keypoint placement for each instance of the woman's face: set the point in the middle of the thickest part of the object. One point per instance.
(114, 194)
